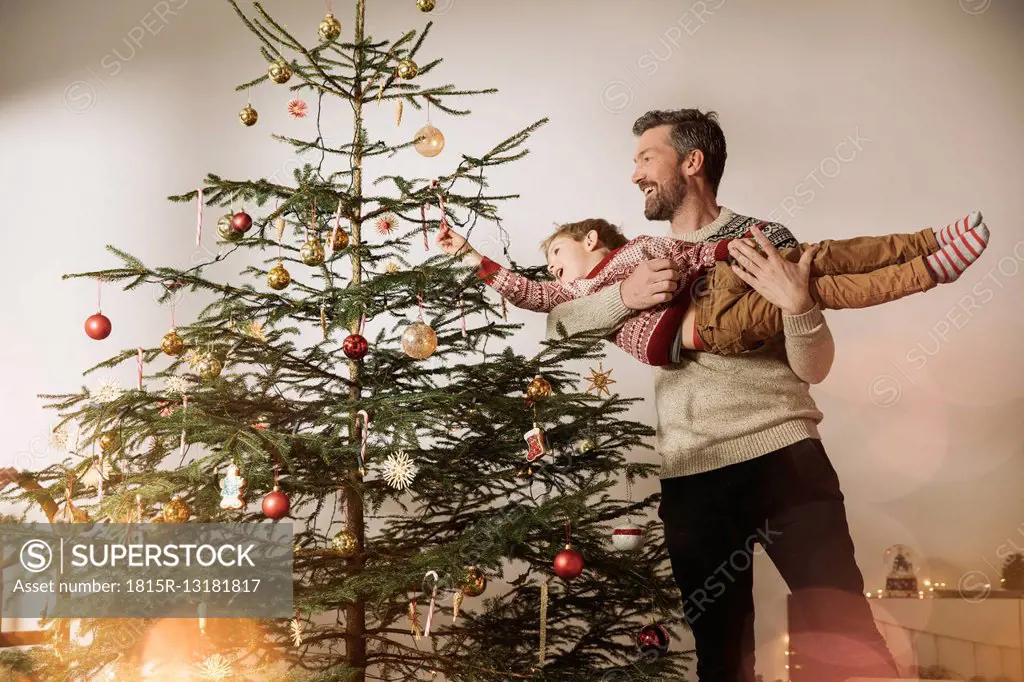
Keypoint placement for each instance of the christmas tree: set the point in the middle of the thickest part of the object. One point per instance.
(357, 383)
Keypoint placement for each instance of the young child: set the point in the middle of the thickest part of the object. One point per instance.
(730, 317)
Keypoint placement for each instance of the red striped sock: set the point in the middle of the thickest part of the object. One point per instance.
(951, 260)
(947, 234)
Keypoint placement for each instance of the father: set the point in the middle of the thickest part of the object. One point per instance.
(743, 461)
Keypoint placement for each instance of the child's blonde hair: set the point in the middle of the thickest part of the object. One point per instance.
(609, 235)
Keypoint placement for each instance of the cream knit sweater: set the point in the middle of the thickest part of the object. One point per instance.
(716, 410)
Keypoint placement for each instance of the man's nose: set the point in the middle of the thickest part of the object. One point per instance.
(637, 176)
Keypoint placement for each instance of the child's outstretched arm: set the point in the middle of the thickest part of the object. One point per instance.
(521, 292)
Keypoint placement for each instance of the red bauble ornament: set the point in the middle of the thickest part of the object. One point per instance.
(355, 346)
(276, 504)
(241, 222)
(97, 326)
(568, 563)
(653, 638)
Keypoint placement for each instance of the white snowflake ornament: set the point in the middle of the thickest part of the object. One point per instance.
(398, 470)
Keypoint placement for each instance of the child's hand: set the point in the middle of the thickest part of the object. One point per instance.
(454, 244)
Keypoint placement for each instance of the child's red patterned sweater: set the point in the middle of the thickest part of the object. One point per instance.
(648, 335)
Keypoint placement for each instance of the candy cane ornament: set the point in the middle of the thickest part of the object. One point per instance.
(433, 599)
(199, 217)
(366, 433)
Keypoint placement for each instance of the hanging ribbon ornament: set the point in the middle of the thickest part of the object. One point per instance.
(433, 599)
(366, 433)
(462, 316)
(543, 621)
(443, 225)
(140, 361)
(184, 411)
(423, 219)
(199, 217)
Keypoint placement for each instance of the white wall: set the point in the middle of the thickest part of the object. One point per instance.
(92, 140)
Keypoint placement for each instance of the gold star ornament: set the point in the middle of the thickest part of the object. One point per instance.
(600, 380)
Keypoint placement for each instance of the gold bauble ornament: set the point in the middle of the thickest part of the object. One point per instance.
(407, 69)
(330, 28)
(426, 5)
(225, 230)
(419, 340)
(279, 71)
(585, 444)
(172, 344)
(312, 252)
(345, 544)
(538, 389)
(109, 441)
(278, 278)
(476, 582)
(248, 116)
(340, 239)
(175, 511)
(209, 367)
(429, 141)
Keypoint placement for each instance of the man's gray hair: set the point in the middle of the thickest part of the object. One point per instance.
(691, 129)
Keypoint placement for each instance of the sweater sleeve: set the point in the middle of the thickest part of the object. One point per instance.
(523, 292)
(809, 345)
(602, 312)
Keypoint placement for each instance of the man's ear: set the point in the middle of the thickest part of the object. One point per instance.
(692, 163)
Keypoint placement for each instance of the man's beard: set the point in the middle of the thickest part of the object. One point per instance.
(665, 201)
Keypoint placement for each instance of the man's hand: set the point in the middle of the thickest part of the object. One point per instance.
(781, 281)
(652, 283)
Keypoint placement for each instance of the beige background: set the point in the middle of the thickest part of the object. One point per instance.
(842, 118)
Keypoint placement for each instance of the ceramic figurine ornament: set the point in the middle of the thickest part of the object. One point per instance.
(231, 489)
